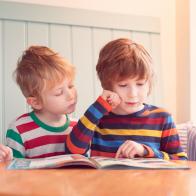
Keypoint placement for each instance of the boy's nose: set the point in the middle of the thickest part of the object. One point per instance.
(69, 95)
(132, 92)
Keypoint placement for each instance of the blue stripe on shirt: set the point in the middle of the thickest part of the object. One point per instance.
(95, 112)
(107, 143)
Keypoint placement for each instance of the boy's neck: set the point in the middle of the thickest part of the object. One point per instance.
(51, 119)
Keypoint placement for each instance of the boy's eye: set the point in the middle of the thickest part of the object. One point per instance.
(122, 85)
(140, 84)
(59, 93)
(71, 86)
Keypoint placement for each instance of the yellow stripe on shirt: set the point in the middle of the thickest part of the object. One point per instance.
(139, 132)
(87, 123)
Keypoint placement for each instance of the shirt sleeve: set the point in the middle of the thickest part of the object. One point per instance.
(78, 141)
(170, 147)
(14, 141)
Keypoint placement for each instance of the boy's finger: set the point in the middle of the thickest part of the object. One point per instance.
(8, 157)
(11, 155)
(2, 154)
(8, 150)
(132, 154)
(119, 151)
(4, 149)
(118, 155)
(128, 151)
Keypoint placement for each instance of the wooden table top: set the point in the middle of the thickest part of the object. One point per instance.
(92, 182)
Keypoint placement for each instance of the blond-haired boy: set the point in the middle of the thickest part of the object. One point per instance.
(46, 81)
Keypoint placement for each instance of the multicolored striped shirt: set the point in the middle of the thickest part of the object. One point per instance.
(29, 137)
(103, 132)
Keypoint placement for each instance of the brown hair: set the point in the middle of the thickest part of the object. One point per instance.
(40, 67)
(121, 59)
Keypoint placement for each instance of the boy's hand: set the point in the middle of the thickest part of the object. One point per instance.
(111, 97)
(130, 149)
(5, 153)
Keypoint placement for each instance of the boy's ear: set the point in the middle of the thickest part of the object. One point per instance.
(34, 102)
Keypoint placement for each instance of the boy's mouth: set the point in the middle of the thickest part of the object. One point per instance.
(131, 103)
(72, 104)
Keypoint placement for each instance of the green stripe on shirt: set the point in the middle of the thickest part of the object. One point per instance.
(17, 154)
(14, 136)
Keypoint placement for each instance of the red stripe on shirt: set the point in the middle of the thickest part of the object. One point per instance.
(104, 154)
(26, 127)
(44, 140)
(22, 116)
(173, 144)
(83, 137)
(46, 155)
(106, 105)
(133, 121)
(73, 123)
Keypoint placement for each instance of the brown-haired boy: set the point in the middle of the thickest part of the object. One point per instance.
(131, 128)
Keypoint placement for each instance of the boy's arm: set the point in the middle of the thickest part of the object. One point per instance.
(78, 141)
(15, 147)
(170, 147)
(14, 141)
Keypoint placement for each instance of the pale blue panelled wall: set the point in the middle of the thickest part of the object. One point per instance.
(78, 35)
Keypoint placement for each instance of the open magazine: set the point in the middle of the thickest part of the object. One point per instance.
(95, 162)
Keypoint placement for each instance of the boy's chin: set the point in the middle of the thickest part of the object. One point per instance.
(70, 110)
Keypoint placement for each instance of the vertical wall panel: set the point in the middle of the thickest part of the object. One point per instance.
(100, 38)
(14, 44)
(1, 82)
(158, 79)
(37, 33)
(82, 59)
(144, 39)
(120, 34)
(60, 40)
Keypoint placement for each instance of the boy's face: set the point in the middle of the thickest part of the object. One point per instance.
(61, 99)
(133, 93)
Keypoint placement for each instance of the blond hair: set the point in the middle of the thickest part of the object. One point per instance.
(40, 67)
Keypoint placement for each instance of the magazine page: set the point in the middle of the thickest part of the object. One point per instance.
(51, 162)
(141, 163)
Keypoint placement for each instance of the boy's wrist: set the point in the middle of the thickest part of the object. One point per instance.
(104, 103)
(145, 153)
(149, 152)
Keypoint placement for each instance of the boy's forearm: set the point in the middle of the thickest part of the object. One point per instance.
(78, 141)
(164, 154)
(177, 156)
(170, 147)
